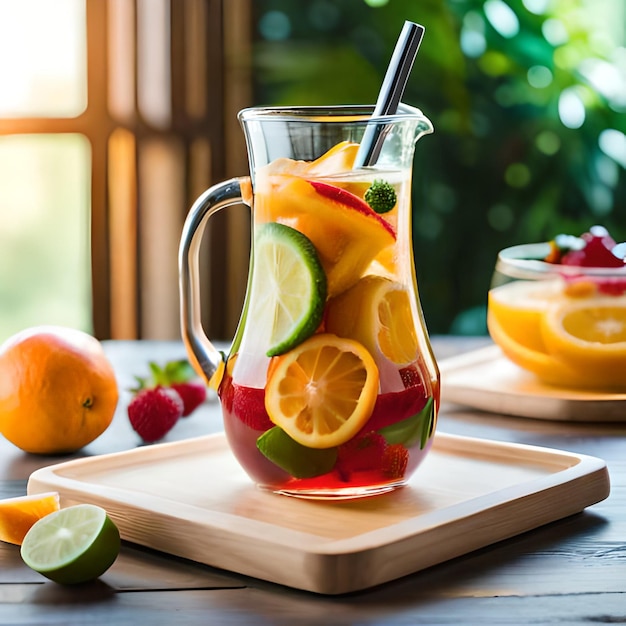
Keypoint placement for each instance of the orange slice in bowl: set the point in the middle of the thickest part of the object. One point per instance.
(345, 231)
(322, 392)
(546, 367)
(519, 306)
(590, 335)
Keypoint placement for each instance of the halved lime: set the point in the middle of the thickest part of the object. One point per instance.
(288, 288)
(73, 545)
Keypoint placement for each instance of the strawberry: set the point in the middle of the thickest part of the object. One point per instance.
(395, 460)
(192, 393)
(411, 377)
(153, 412)
(360, 454)
(180, 376)
(395, 406)
(249, 407)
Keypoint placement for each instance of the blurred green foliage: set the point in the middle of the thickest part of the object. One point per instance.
(528, 100)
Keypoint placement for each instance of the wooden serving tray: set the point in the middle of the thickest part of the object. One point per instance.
(191, 499)
(485, 379)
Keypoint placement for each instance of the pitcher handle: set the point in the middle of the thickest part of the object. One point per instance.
(205, 358)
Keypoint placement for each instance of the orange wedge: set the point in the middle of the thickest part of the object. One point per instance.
(546, 367)
(345, 231)
(340, 158)
(519, 306)
(17, 515)
(322, 392)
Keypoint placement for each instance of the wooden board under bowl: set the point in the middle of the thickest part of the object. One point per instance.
(485, 379)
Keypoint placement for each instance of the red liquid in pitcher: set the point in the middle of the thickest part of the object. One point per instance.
(367, 459)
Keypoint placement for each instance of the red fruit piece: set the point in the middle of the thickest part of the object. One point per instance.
(178, 375)
(395, 460)
(350, 200)
(601, 233)
(360, 454)
(396, 406)
(411, 377)
(596, 253)
(247, 404)
(612, 287)
(193, 394)
(154, 412)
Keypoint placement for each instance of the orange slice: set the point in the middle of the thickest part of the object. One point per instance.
(590, 335)
(377, 313)
(322, 392)
(345, 231)
(340, 158)
(17, 515)
(548, 368)
(519, 306)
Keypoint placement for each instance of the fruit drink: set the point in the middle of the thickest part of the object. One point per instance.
(330, 388)
(560, 311)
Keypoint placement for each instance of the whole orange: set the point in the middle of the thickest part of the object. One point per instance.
(58, 390)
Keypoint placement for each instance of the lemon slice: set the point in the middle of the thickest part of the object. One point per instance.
(519, 306)
(73, 545)
(288, 288)
(322, 392)
(377, 313)
(590, 335)
(17, 515)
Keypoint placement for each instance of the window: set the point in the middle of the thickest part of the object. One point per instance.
(114, 116)
(44, 176)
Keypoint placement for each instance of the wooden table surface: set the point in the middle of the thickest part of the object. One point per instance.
(569, 572)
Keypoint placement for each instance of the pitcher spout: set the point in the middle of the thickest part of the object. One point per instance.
(423, 126)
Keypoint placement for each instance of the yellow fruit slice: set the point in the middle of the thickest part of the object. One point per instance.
(340, 158)
(345, 231)
(591, 336)
(17, 515)
(377, 313)
(322, 392)
(519, 306)
(544, 366)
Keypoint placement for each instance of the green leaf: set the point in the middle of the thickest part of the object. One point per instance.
(158, 375)
(297, 460)
(413, 429)
(179, 371)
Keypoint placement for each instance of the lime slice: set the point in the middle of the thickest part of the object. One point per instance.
(73, 545)
(288, 287)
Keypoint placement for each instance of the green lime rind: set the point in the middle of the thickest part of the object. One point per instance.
(297, 460)
(288, 287)
(409, 431)
(72, 546)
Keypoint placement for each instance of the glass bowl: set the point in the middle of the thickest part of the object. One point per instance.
(565, 324)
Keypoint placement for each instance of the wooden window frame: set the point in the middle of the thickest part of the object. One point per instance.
(227, 37)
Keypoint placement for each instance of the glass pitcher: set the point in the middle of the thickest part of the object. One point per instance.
(330, 389)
